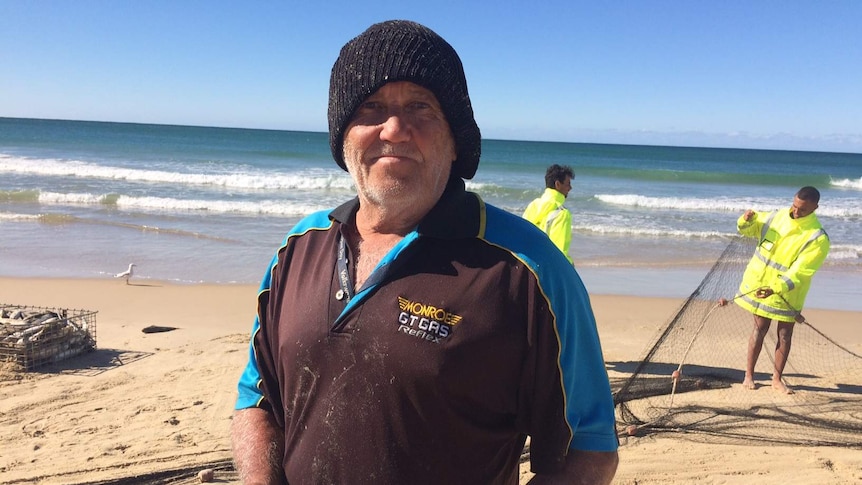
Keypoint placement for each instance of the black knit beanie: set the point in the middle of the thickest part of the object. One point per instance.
(400, 50)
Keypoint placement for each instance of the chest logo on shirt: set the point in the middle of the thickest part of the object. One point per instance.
(426, 322)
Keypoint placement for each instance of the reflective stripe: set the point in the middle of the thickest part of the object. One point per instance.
(774, 264)
(765, 228)
(788, 282)
(761, 305)
(810, 240)
(769, 262)
(550, 219)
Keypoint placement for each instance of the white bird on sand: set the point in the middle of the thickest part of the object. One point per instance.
(126, 274)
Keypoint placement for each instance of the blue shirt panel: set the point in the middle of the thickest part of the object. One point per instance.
(250, 394)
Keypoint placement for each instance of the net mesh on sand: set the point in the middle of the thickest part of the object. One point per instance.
(706, 343)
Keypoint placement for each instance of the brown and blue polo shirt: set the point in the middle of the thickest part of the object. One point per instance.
(472, 333)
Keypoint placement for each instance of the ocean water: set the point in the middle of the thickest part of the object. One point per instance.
(194, 204)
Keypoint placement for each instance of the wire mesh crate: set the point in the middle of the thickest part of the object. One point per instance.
(34, 336)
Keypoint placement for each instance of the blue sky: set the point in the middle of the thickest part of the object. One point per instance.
(753, 74)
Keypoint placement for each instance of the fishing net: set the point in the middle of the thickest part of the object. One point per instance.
(706, 343)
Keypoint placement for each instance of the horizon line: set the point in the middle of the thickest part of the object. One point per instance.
(608, 132)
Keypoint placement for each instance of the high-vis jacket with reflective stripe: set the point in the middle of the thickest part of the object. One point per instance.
(788, 254)
(548, 214)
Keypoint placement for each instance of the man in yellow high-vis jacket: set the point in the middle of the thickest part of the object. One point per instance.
(548, 213)
(792, 247)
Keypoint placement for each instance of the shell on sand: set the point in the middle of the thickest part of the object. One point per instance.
(206, 475)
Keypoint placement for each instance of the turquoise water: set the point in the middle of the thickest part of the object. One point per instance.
(195, 204)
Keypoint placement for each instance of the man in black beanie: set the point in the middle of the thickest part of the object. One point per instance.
(416, 334)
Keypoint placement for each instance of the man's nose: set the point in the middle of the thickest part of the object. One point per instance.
(395, 127)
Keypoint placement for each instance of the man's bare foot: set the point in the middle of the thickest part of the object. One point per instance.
(748, 383)
(778, 385)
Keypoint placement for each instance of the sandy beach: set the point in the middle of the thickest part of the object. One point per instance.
(146, 404)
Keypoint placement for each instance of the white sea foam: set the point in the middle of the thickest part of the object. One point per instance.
(848, 207)
(478, 186)
(682, 203)
(10, 217)
(848, 183)
(266, 207)
(647, 232)
(53, 198)
(309, 180)
(845, 252)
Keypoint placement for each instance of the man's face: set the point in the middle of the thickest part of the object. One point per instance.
(802, 208)
(564, 187)
(399, 148)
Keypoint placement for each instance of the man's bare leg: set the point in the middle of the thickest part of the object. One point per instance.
(782, 351)
(755, 344)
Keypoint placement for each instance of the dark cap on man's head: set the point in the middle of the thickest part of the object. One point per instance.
(400, 50)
